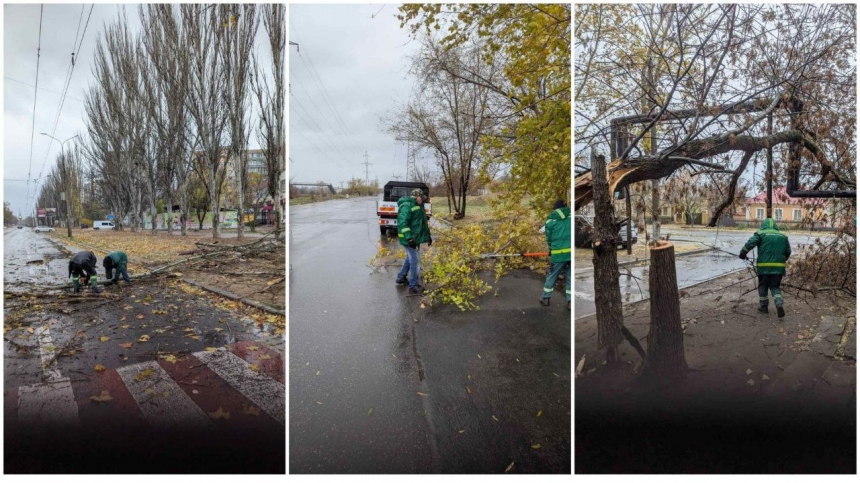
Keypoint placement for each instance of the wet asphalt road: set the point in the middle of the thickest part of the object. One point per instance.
(690, 269)
(361, 352)
(114, 437)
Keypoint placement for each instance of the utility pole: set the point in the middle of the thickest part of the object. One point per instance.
(366, 164)
(410, 162)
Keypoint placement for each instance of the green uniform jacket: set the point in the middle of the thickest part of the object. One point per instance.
(773, 249)
(411, 222)
(120, 261)
(558, 235)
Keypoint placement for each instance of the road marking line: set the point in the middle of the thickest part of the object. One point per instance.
(47, 353)
(162, 401)
(48, 404)
(265, 392)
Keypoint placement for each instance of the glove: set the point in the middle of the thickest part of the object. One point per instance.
(412, 243)
(430, 243)
(742, 256)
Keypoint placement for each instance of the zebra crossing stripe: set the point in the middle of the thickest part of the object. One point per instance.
(265, 392)
(48, 405)
(162, 401)
(47, 353)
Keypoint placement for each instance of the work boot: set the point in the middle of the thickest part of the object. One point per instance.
(780, 312)
(762, 309)
(417, 290)
(544, 302)
(401, 281)
(76, 287)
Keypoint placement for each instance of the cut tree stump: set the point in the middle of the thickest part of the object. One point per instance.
(665, 359)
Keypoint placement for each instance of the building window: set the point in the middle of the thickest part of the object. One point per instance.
(759, 213)
(777, 214)
(797, 215)
(665, 211)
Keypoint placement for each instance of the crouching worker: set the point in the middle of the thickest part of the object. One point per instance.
(773, 251)
(115, 264)
(82, 269)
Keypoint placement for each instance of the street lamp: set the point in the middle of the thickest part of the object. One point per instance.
(66, 176)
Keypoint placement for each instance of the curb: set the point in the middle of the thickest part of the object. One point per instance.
(679, 288)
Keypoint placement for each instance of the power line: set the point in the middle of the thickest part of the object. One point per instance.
(317, 80)
(319, 131)
(333, 128)
(75, 53)
(35, 95)
(42, 88)
(293, 129)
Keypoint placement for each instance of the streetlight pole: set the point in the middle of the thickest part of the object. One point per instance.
(65, 181)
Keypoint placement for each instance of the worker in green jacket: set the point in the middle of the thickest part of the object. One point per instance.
(557, 231)
(116, 262)
(773, 251)
(412, 231)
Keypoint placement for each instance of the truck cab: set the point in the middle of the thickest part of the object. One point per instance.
(386, 208)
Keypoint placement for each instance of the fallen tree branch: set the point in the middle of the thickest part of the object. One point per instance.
(235, 297)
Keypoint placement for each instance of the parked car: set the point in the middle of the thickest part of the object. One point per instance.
(40, 229)
(103, 225)
(19, 227)
(583, 227)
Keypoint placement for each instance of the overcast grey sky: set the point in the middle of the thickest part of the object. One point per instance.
(349, 70)
(20, 43)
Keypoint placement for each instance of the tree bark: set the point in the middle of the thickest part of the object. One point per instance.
(665, 357)
(606, 287)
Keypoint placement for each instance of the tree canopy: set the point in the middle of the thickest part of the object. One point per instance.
(720, 84)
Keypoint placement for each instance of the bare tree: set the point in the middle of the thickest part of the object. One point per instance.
(241, 21)
(448, 116)
(165, 46)
(205, 35)
(271, 103)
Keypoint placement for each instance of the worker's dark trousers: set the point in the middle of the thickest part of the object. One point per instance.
(555, 270)
(771, 282)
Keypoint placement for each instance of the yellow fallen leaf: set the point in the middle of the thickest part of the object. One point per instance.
(143, 374)
(539, 413)
(127, 307)
(370, 411)
(143, 338)
(253, 348)
(468, 390)
(220, 414)
(30, 330)
(461, 431)
(469, 376)
(99, 368)
(495, 418)
(139, 316)
(103, 397)
(251, 410)
(510, 467)
(123, 318)
(421, 393)
(104, 338)
(265, 357)
(210, 349)
(127, 345)
(536, 446)
(254, 367)
(319, 403)
(318, 373)
(170, 358)
(479, 356)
